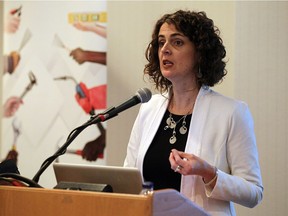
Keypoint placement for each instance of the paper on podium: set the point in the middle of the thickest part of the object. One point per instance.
(170, 202)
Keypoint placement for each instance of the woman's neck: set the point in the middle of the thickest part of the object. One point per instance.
(182, 100)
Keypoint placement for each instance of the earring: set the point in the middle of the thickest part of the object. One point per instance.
(199, 74)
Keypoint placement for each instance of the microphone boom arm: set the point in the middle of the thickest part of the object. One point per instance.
(96, 119)
(142, 95)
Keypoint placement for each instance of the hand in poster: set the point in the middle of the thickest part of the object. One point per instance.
(12, 155)
(11, 26)
(11, 62)
(81, 56)
(12, 21)
(11, 105)
(95, 148)
(92, 27)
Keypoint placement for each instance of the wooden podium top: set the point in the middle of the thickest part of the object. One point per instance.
(26, 201)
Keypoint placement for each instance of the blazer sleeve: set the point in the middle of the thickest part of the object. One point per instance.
(134, 143)
(244, 184)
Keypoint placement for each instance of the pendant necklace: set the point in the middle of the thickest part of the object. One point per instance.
(172, 125)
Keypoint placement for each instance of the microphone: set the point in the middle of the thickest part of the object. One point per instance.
(143, 95)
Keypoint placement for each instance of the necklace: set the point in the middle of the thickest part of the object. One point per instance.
(172, 125)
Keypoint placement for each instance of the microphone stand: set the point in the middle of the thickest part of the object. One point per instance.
(144, 95)
(93, 120)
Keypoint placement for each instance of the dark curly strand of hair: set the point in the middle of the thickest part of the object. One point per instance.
(205, 36)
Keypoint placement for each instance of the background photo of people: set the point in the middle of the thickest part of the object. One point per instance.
(54, 80)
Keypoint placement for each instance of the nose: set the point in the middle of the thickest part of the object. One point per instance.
(167, 52)
(165, 49)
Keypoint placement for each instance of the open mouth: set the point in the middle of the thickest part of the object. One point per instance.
(167, 63)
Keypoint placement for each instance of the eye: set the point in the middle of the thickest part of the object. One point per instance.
(161, 43)
(178, 42)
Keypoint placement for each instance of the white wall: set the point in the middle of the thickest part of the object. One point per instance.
(255, 35)
(261, 80)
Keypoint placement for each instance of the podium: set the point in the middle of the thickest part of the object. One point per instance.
(16, 201)
(26, 201)
(170, 203)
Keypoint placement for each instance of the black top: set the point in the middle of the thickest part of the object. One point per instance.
(156, 165)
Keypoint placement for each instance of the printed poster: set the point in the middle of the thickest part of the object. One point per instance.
(55, 64)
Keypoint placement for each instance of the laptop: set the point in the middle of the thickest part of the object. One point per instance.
(121, 179)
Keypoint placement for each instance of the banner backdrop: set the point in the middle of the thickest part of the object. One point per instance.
(55, 62)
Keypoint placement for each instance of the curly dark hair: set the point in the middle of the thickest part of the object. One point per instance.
(205, 36)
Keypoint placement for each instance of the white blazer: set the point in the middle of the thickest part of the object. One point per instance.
(221, 132)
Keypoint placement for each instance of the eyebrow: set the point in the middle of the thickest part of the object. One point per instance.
(172, 35)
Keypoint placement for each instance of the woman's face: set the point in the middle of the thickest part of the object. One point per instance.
(177, 55)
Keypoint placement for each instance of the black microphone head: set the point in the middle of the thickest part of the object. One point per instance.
(144, 94)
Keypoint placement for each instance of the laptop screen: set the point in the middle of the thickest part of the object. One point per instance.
(122, 179)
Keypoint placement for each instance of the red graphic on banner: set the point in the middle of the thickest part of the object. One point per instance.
(91, 99)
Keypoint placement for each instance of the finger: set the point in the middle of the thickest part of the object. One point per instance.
(180, 158)
(178, 169)
(184, 155)
(72, 53)
(176, 155)
(173, 164)
(172, 160)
